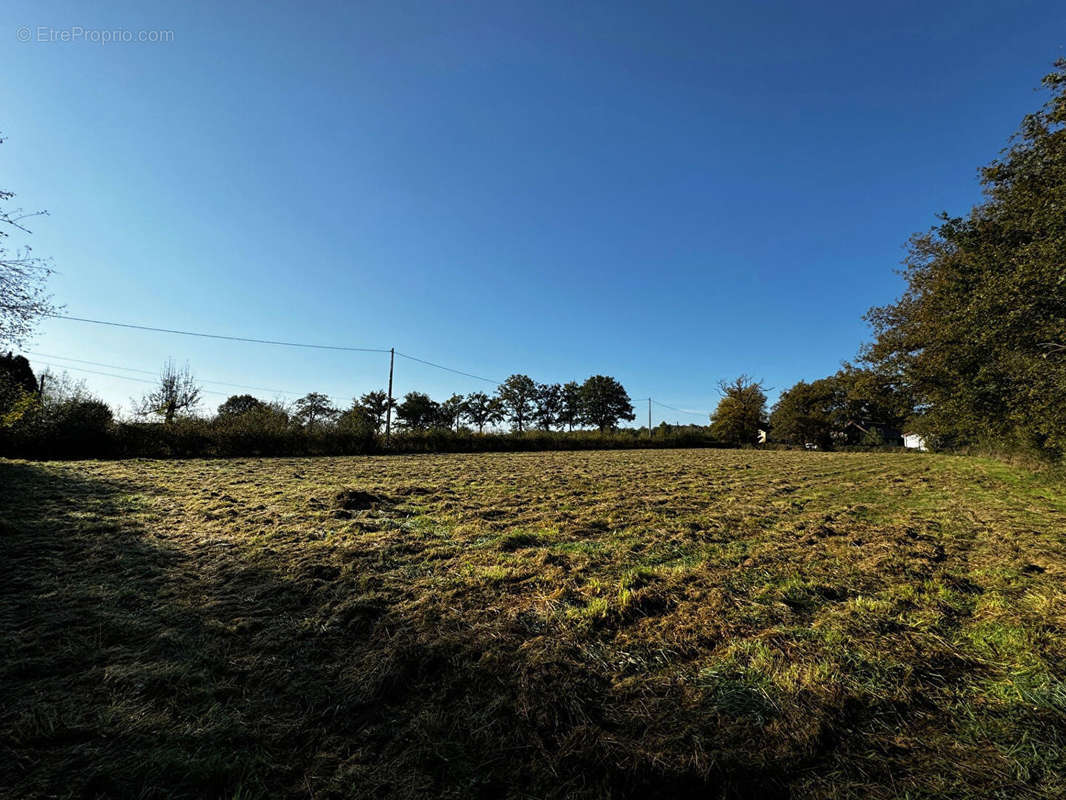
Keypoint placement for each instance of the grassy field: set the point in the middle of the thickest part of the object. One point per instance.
(650, 624)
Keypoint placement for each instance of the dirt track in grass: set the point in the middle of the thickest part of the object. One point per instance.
(603, 624)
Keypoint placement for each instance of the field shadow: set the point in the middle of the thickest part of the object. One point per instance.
(135, 667)
(114, 682)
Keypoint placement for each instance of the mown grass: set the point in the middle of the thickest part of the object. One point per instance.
(600, 624)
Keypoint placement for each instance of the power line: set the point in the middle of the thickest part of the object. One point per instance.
(150, 372)
(218, 336)
(138, 380)
(112, 375)
(93, 363)
(449, 369)
(145, 372)
(269, 341)
(291, 344)
(682, 410)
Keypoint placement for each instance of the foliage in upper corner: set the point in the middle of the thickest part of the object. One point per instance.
(979, 335)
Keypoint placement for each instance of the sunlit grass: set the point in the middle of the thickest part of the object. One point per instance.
(655, 623)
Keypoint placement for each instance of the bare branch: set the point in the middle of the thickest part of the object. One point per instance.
(23, 300)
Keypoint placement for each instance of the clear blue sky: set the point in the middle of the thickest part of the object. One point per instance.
(670, 193)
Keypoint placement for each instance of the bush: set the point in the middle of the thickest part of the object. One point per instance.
(84, 429)
(74, 428)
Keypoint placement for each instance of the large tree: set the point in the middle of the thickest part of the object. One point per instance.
(23, 299)
(418, 411)
(16, 381)
(605, 403)
(741, 412)
(548, 405)
(517, 394)
(177, 392)
(483, 410)
(851, 406)
(314, 408)
(570, 409)
(872, 403)
(238, 405)
(978, 334)
(372, 408)
(451, 411)
(806, 413)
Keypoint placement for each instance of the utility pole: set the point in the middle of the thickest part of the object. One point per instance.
(388, 408)
(649, 417)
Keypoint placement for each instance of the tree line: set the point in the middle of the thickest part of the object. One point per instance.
(59, 417)
(855, 407)
(972, 353)
(978, 338)
(600, 402)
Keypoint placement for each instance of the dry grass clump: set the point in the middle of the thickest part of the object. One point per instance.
(595, 624)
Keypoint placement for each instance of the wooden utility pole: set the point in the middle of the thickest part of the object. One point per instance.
(388, 407)
(649, 417)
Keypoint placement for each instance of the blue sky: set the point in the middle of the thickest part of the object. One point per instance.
(670, 193)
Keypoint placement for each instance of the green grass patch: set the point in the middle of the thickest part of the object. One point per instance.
(726, 624)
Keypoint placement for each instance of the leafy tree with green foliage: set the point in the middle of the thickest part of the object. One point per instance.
(517, 394)
(370, 410)
(177, 392)
(741, 412)
(366, 414)
(807, 412)
(604, 403)
(873, 406)
(853, 406)
(266, 417)
(314, 408)
(548, 405)
(979, 335)
(483, 410)
(418, 411)
(570, 408)
(239, 404)
(356, 418)
(16, 381)
(451, 411)
(60, 420)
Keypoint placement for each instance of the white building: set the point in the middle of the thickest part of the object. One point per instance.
(914, 441)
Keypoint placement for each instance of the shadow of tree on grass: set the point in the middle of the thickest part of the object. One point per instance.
(137, 665)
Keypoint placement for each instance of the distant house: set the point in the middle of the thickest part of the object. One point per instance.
(915, 441)
(869, 434)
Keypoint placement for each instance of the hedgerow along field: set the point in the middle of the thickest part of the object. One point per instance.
(655, 623)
